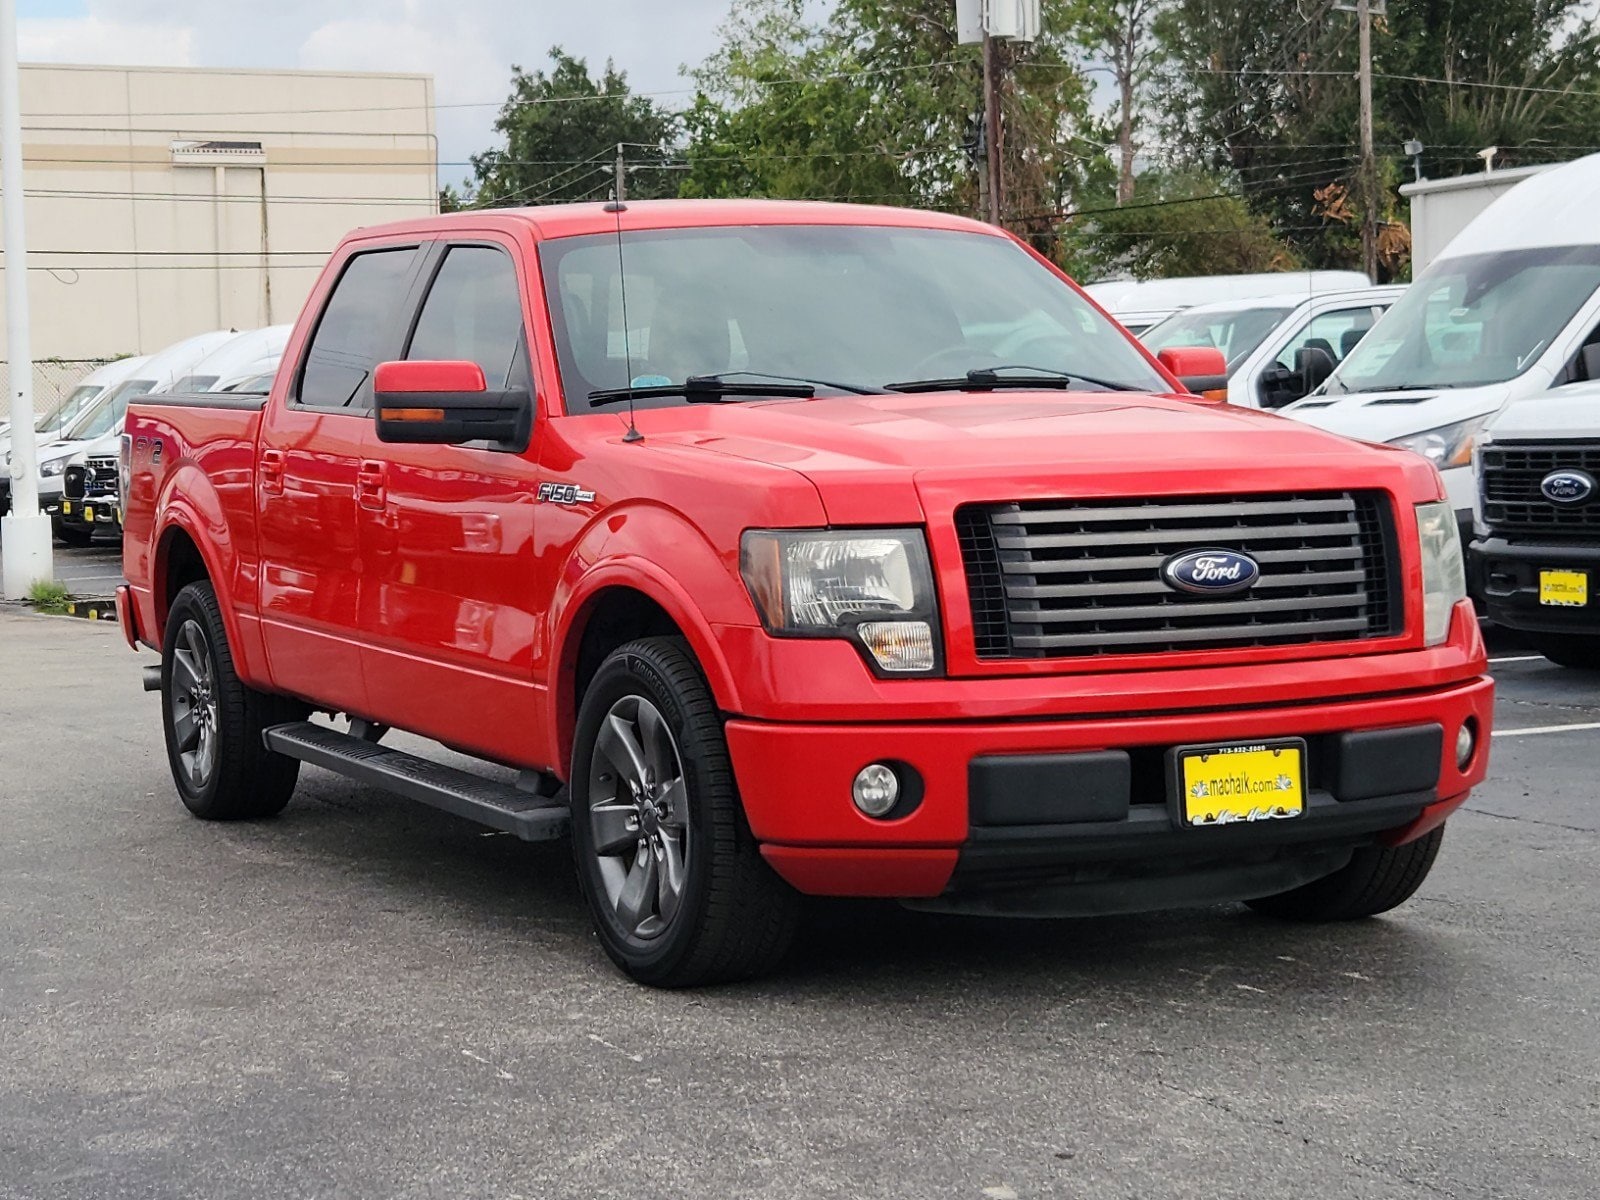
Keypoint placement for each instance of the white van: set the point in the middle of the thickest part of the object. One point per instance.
(70, 407)
(233, 358)
(1277, 348)
(1509, 312)
(1139, 305)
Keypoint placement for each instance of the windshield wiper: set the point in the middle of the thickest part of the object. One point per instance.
(702, 389)
(987, 379)
(855, 389)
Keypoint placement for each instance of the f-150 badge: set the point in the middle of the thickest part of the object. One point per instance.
(563, 493)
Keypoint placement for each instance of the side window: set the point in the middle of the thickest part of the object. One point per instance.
(1337, 332)
(356, 330)
(474, 313)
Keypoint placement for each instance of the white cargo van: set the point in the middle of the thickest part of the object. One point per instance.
(1138, 305)
(1509, 312)
(1277, 348)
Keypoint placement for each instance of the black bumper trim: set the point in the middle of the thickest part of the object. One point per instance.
(1507, 574)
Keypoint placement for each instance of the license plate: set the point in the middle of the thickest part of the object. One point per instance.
(66, 508)
(1564, 589)
(1225, 785)
(88, 514)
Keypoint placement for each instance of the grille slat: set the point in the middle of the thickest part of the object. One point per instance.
(1069, 579)
(1510, 479)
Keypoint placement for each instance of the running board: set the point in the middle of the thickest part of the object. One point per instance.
(498, 805)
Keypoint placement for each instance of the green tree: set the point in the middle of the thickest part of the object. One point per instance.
(1122, 34)
(561, 131)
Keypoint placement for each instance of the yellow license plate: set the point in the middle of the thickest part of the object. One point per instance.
(1564, 589)
(1223, 785)
(88, 514)
(66, 508)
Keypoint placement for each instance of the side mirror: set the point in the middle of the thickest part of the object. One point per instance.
(1201, 369)
(1313, 364)
(448, 404)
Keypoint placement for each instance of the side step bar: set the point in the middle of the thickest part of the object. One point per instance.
(497, 805)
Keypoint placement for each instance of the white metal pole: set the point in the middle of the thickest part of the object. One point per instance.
(25, 533)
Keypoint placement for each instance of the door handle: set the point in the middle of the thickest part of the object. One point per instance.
(270, 468)
(370, 485)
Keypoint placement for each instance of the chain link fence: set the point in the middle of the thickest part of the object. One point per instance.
(53, 381)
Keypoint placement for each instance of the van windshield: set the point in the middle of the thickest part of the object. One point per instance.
(1474, 320)
(67, 411)
(862, 306)
(108, 414)
(1235, 331)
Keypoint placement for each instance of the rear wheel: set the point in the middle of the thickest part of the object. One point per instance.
(213, 722)
(1376, 879)
(676, 884)
(1568, 649)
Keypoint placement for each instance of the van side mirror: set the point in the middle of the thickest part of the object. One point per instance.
(1201, 369)
(1279, 386)
(1313, 364)
(448, 404)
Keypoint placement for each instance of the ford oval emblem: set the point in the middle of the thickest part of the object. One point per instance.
(1210, 572)
(1567, 487)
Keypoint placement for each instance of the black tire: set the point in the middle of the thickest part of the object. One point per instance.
(732, 917)
(1568, 649)
(71, 535)
(1375, 880)
(244, 780)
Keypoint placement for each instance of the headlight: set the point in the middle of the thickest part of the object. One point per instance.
(1448, 445)
(1444, 579)
(53, 467)
(872, 586)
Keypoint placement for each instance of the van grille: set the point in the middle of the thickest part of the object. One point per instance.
(1512, 501)
(1077, 578)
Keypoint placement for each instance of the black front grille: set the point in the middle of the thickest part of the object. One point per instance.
(1510, 479)
(102, 477)
(1076, 578)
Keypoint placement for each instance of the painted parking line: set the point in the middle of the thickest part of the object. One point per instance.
(1500, 733)
(1517, 658)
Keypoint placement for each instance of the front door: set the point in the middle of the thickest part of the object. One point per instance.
(308, 477)
(448, 600)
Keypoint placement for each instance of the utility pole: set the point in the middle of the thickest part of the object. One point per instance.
(1369, 164)
(621, 168)
(25, 534)
(991, 128)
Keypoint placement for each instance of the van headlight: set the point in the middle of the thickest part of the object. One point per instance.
(1444, 577)
(53, 467)
(873, 587)
(1446, 446)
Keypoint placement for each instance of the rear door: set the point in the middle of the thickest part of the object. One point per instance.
(313, 443)
(448, 600)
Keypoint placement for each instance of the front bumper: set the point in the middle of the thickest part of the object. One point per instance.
(1507, 574)
(91, 512)
(1118, 844)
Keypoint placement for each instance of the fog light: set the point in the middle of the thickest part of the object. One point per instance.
(899, 645)
(876, 789)
(1466, 742)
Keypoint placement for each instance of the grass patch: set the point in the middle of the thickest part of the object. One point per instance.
(49, 597)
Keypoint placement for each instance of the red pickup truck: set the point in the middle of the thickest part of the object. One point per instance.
(787, 549)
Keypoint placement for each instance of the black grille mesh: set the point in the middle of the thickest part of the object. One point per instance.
(1510, 479)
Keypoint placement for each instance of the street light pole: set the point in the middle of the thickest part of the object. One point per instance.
(25, 534)
(1369, 165)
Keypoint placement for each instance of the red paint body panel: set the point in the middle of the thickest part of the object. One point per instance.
(430, 588)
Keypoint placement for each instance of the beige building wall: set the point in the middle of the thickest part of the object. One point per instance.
(142, 230)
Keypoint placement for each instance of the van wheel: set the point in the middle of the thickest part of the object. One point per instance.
(1376, 879)
(677, 887)
(1568, 650)
(213, 722)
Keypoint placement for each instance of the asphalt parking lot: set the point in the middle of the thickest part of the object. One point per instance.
(365, 998)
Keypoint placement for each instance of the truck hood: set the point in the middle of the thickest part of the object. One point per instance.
(850, 446)
(1570, 412)
(1385, 416)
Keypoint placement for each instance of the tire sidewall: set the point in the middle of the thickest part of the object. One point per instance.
(187, 606)
(631, 673)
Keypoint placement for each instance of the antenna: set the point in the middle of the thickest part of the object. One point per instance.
(618, 206)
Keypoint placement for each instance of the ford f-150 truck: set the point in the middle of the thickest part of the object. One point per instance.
(788, 549)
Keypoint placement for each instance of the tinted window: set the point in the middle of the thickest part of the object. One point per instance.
(356, 331)
(473, 313)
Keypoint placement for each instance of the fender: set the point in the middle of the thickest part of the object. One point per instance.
(189, 503)
(622, 547)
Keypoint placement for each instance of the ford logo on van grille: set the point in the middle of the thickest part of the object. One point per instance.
(1567, 487)
(1210, 572)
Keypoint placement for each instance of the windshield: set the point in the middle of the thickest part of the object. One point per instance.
(1479, 319)
(108, 414)
(69, 408)
(863, 306)
(191, 384)
(1235, 331)
(256, 385)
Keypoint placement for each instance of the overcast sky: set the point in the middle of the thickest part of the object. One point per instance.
(467, 45)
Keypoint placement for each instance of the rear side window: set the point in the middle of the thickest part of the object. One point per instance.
(473, 313)
(356, 331)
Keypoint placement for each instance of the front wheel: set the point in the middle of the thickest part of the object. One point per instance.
(676, 884)
(1568, 649)
(1376, 879)
(213, 721)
